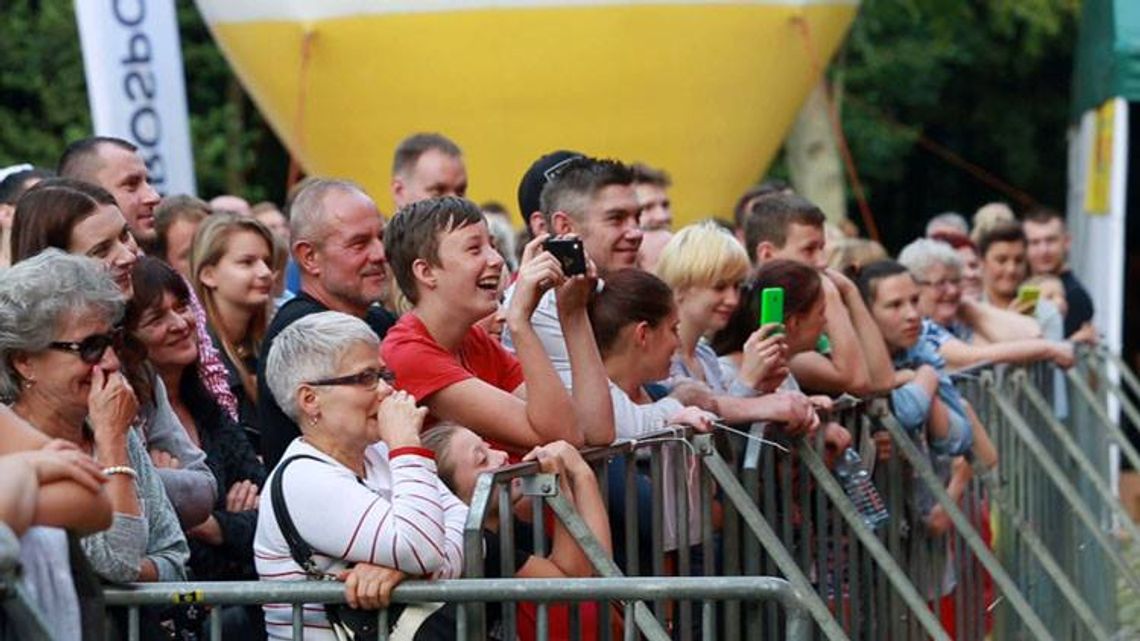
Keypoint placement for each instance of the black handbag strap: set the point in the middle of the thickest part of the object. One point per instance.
(301, 552)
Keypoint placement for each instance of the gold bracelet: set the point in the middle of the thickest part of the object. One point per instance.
(121, 469)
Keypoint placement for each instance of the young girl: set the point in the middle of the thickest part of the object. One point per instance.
(462, 456)
(230, 267)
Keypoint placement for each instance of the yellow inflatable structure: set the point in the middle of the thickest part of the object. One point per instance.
(705, 90)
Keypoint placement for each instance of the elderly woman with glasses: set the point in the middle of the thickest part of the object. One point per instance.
(59, 371)
(967, 332)
(360, 449)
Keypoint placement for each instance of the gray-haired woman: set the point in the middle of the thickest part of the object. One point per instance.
(360, 448)
(967, 332)
(60, 372)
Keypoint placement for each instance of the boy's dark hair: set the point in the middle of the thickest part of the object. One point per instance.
(47, 213)
(1001, 233)
(576, 184)
(770, 216)
(872, 273)
(1042, 215)
(743, 205)
(644, 174)
(629, 296)
(14, 184)
(411, 148)
(76, 159)
(414, 233)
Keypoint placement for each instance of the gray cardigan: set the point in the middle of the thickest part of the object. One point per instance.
(116, 553)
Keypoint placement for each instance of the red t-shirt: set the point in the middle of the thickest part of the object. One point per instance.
(423, 367)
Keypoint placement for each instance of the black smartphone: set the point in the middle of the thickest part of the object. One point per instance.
(569, 253)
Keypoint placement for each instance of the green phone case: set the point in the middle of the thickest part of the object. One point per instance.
(772, 305)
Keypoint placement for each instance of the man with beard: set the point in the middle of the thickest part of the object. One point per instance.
(338, 244)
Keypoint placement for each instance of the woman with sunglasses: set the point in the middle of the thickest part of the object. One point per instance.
(360, 450)
(59, 371)
(83, 219)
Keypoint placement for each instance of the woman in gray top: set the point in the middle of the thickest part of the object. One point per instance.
(60, 372)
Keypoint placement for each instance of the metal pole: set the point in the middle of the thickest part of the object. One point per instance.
(917, 461)
(1093, 475)
(751, 516)
(1114, 431)
(1070, 493)
(875, 548)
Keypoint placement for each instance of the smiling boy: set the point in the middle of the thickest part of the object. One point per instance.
(441, 254)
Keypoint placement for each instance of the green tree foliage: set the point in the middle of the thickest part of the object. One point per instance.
(987, 79)
(43, 101)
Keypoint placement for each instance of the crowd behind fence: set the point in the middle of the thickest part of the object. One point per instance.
(748, 539)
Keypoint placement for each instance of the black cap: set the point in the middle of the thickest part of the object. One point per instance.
(541, 172)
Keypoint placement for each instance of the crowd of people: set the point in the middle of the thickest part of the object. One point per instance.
(219, 391)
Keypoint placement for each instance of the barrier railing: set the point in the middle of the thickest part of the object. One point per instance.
(479, 591)
(1029, 550)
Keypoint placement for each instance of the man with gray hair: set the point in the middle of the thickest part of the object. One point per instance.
(427, 165)
(338, 244)
(950, 221)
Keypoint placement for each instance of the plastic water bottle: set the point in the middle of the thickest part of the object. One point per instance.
(857, 485)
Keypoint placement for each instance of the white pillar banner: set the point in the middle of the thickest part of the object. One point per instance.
(132, 59)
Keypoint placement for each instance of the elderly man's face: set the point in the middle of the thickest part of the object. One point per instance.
(123, 173)
(434, 174)
(349, 261)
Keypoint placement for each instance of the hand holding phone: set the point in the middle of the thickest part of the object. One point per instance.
(772, 306)
(570, 254)
(1027, 297)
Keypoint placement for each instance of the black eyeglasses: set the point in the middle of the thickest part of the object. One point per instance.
(366, 378)
(91, 349)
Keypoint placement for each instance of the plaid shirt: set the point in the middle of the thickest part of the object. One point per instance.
(214, 375)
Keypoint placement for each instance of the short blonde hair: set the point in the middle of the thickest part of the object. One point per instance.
(702, 255)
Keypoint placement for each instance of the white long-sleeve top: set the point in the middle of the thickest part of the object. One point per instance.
(400, 515)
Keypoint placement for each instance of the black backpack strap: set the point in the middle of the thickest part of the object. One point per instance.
(298, 549)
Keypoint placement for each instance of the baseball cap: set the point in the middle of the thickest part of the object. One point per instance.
(541, 172)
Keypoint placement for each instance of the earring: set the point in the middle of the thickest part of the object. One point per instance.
(29, 382)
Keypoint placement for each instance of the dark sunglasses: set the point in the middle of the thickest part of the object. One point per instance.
(366, 378)
(91, 349)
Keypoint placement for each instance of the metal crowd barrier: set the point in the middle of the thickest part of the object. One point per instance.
(1032, 550)
(467, 591)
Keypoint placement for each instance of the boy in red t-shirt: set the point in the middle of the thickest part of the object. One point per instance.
(440, 252)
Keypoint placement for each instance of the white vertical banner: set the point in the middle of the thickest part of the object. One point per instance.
(132, 59)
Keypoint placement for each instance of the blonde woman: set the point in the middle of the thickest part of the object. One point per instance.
(231, 268)
(705, 267)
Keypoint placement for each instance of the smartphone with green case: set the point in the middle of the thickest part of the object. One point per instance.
(772, 305)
